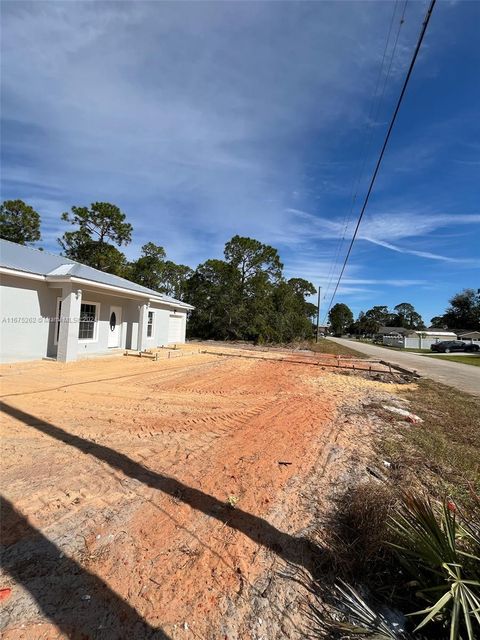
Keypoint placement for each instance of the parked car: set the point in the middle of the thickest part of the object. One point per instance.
(469, 346)
(449, 346)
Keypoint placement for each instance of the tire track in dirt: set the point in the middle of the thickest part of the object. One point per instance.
(259, 441)
(220, 426)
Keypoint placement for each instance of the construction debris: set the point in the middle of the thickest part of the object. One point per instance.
(410, 417)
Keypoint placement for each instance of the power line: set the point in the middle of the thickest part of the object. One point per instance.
(372, 118)
(372, 113)
(384, 146)
(392, 57)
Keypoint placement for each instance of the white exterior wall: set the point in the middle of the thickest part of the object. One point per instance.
(159, 337)
(66, 334)
(100, 342)
(415, 341)
(162, 319)
(27, 328)
(131, 309)
(160, 327)
(470, 340)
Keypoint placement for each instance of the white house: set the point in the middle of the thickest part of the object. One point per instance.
(54, 307)
(419, 339)
(469, 336)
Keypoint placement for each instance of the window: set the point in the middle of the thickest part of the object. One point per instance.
(88, 319)
(150, 324)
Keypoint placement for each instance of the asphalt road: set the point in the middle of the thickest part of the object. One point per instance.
(461, 376)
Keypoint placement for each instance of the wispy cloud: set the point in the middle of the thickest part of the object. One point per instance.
(420, 254)
(203, 120)
(182, 111)
(380, 228)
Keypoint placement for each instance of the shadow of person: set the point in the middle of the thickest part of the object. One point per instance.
(292, 549)
(78, 602)
(295, 551)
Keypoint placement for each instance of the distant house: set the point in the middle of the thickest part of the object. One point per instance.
(393, 331)
(468, 336)
(322, 329)
(54, 307)
(414, 339)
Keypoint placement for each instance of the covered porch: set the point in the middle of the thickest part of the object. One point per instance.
(91, 319)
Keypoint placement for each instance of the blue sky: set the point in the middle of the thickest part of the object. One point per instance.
(202, 120)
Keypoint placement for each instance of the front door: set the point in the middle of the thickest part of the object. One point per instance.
(115, 327)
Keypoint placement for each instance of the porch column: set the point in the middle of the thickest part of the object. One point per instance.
(69, 321)
(142, 326)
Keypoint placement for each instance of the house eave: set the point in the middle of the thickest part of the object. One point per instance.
(21, 274)
(123, 290)
(96, 285)
(173, 305)
(131, 293)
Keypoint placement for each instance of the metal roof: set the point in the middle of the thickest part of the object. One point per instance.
(29, 260)
(433, 332)
(390, 330)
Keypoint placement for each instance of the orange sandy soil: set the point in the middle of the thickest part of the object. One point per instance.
(116, 473)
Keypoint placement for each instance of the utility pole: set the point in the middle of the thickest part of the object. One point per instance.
(318, 313)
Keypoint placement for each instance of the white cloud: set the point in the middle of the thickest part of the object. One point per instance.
(202, 120)
(398, 224)
(381, 228)
(183, 113)
(414, 252)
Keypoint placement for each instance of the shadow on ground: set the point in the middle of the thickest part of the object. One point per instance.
(58, 583)
(78, 602)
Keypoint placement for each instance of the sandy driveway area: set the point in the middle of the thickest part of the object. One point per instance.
(159, 499)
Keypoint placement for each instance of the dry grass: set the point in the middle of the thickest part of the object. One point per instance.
(327, 346)
(354, 553)
(439, 456)
(356, 534)
(442, 453)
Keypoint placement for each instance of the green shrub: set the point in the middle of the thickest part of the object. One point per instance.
(440, 550)
(434, 570)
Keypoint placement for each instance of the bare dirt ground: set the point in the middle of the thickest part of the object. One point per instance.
(117, 474)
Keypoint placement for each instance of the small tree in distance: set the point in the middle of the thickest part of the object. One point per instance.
(246, 297)
(377, 317)
(406, 316)
(464, 310)
(341, 317)
(152, 270)
(19, 222)
(438, 322)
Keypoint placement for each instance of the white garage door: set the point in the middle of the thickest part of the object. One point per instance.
(175, 329)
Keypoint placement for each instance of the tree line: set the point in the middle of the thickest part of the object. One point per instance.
(463, 312)
(245, 296)
(368, 322)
